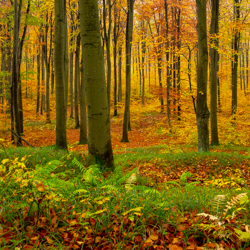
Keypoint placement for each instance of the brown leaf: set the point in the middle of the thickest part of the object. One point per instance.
(181, 227)
(138, 239)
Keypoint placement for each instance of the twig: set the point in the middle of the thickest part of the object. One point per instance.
(20, 137)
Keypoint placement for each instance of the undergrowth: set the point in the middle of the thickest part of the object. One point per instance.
(51, 200)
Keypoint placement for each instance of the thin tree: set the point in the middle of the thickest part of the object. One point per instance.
(214, 30)
(202, 112)
(235, 47)
(129, 33)
(61, 75)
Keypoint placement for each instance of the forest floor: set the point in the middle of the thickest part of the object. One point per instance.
(149, 128)
(163, 195)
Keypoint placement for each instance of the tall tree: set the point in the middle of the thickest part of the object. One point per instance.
(214, 29)
(235, 47)
(61, 75)
(99, 138)
(129, 36)
(15, 71)
(202, 112)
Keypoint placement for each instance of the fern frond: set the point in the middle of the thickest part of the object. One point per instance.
(218, 203)
(211, 217)
(234, 201)
(79, 165)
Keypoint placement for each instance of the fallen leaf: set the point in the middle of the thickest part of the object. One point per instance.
(154, 237)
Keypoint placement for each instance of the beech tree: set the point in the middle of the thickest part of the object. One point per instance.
(202, 112)
(214, 57)
(235, 48)
(129, 33)
(99, 138)
(61, 72)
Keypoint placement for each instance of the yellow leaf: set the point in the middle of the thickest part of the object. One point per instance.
(98, 212)
(137, 209)
(4, 161)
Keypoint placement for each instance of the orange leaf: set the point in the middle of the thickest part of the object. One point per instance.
(174, 247)
(50, 241)
(92, 221)
(181, 227)
(154, 237)
(40, 187)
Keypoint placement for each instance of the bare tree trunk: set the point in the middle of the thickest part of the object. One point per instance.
(60, 54)
(214, 57)
(120, 74)
(99, 139)
(83, 114)
(129, 32)
(77, 73)
(235, 47)
(202, 112)
(38, 82)
(15, 72)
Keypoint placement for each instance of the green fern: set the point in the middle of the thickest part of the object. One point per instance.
(79, 165)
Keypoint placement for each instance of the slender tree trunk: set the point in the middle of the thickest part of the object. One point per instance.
(178, 65)
(129, 32)
(247, 65)
(15, 72)
(38, 82)
(120, 74)
(107, 33)
(71, 58)
(235, 45)
(60, 74)
(202, 112)
(77, 73)
(143, 67)
(214, 30)
(52, 74)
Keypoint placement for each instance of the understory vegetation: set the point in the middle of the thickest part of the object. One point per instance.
(155, 199)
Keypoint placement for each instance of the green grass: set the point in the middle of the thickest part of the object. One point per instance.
(56, 193)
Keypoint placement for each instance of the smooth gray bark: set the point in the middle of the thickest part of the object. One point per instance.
(99, 138)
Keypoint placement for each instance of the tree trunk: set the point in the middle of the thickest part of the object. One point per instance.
(202, 112)
(83, 114)
(214, 30)
(71, 58)
(107, 33)
(99, 138)
(60, 74)
(235, 47)
(15, 72)
(129, 33)
(38, 82)
(120, 74)
(77, 79)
